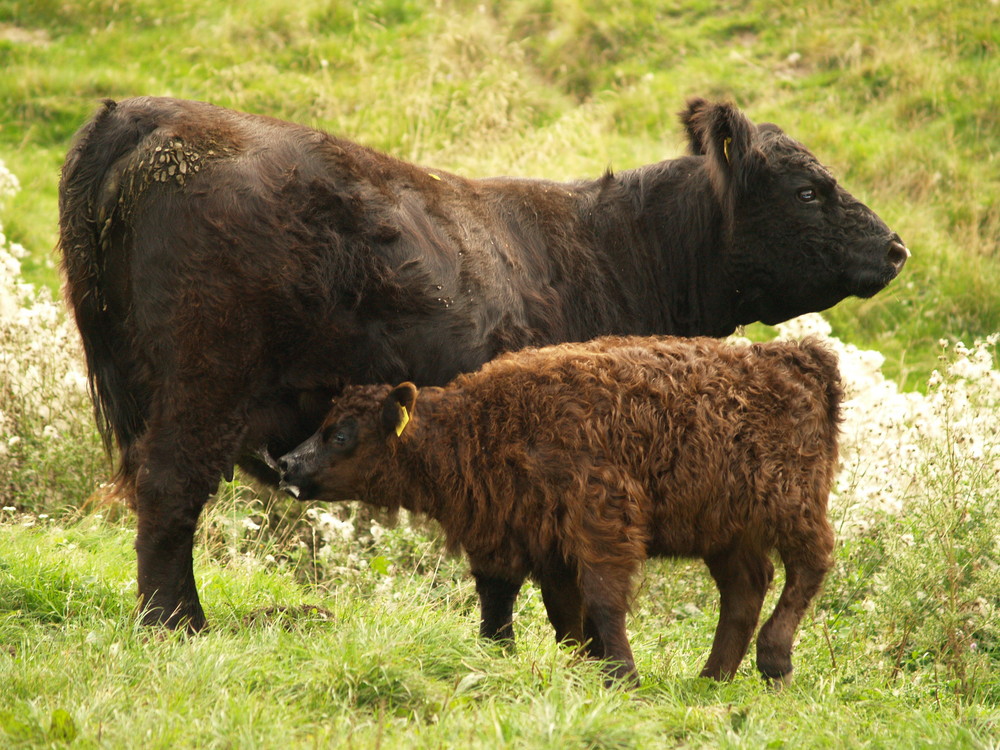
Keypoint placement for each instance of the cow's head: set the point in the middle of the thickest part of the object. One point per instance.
(356, 437)
(799, 242)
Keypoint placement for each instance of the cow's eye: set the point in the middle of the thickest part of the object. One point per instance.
(806, 195)
(340, 437)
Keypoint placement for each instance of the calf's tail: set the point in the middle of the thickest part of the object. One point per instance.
(826, 364)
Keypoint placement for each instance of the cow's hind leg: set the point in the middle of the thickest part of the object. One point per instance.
(806, 564)
(189, 444)
(742, 577)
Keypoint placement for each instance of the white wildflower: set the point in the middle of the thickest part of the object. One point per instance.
(811, 324)
(74, 380)
(9, 185)
(42, 388)
(329, 527)
(250, 525)
(888, 437)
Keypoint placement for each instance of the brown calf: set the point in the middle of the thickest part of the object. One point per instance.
(571, 464)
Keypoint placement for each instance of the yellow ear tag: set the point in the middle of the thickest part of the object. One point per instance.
(433, 176)
(404, 419)
(725, 148)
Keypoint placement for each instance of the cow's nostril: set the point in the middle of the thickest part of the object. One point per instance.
(898, 253)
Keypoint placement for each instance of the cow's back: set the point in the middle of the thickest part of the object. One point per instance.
(233, 246)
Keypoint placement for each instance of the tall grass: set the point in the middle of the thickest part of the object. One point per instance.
(49, 452)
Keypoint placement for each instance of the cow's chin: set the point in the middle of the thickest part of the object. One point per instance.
(866, 285)
(772, 310)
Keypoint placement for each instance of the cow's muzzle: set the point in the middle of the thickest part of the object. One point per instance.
(898, 253)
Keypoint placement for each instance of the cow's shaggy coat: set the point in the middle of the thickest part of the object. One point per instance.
(572, 464)
(229, 273)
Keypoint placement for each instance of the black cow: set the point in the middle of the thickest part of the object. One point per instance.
(229, 273)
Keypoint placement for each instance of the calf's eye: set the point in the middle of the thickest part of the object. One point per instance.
(806, 195)
(339, 436)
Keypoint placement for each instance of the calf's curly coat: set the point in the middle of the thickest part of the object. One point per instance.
(572, 464)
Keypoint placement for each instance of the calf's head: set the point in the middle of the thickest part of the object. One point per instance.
(357, 435)
(798, 241)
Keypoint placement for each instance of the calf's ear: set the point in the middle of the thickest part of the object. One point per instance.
(397, 410)
(725, 135)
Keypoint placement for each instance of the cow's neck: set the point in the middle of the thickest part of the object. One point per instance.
(663, 227)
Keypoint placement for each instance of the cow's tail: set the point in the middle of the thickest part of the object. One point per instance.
(89, 208)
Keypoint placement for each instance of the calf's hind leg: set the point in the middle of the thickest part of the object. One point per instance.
(742, 577)
(563, 604)
(806, 564)
(605, 592)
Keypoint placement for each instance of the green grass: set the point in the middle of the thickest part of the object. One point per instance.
(385, 654)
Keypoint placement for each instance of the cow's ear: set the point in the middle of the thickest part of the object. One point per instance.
(397, 410)
(723, 134)
(690, 118)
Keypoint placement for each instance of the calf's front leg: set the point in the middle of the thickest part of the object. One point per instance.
(496, 607)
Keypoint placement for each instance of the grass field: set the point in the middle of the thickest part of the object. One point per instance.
(332, 629)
